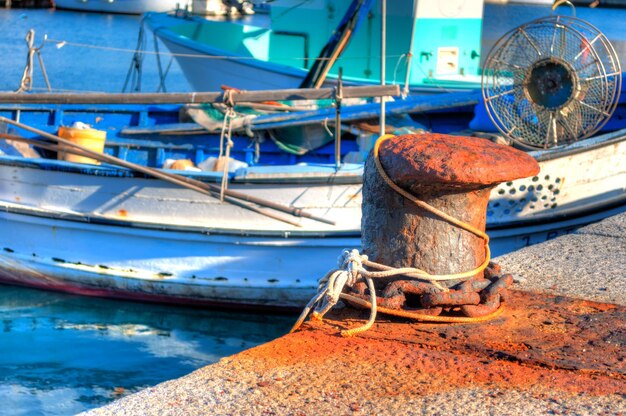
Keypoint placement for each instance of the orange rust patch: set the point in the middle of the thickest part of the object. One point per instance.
(585, 306)
(507, 346)
(519, 350)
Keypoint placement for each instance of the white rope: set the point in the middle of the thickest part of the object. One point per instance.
(62, 43)
(226, 143)
(350, 269)
(325, 124)
(26, 83)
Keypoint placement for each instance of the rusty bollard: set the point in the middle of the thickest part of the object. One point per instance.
(455, 175)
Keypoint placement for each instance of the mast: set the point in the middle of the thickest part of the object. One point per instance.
(409, 55)
(354, 16)
(383, 54)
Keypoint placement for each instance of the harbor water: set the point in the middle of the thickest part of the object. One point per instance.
(82, 52)
(62, 354)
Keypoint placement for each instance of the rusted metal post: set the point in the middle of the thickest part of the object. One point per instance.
(451, 173)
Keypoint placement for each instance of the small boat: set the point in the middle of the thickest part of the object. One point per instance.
(207, 237)
(434, 46)
(108, 231)
(120, 6)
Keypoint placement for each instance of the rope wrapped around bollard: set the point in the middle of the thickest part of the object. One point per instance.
(351, 268)
(478, 293)
(331, 287)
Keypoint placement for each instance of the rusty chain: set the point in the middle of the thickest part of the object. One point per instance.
(476, 297)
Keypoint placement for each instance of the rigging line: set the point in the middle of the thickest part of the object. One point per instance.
(43, 70)
(409, 54)
(200, 56)
(159, 65)
(133, 76)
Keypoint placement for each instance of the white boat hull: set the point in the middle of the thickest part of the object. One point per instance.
(187, 267)
(206, 74)
(210, 70)
(120, 6)
(179, 267)
(141, 238)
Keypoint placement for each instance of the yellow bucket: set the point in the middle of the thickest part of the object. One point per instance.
(89, 138)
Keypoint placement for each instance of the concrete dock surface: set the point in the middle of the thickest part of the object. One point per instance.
(558, 348)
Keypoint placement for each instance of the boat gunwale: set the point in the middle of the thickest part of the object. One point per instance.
(239, 177)
(581, 146)
(588, 144)
(73, 217)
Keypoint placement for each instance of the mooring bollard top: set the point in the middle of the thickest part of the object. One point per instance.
(443, 161)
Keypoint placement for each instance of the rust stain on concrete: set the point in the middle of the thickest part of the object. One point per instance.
(564, 344)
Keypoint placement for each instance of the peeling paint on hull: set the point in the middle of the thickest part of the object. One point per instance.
(72, 228)
(165, 266)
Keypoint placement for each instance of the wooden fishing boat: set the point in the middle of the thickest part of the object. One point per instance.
(105, 230)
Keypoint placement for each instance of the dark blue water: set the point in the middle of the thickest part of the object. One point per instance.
(61, 354)
(499, 19)
(95, 57)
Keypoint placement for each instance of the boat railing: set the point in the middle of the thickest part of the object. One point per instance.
(230, 96)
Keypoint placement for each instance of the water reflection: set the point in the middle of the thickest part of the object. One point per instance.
(60, 354)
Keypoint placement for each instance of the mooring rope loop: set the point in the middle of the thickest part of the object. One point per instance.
(60, 43)
(26, 83)
(352, 267)
(226, 142)
(352, 262)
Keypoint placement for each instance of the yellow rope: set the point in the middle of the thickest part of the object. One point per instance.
(420, 273)
(373, 311)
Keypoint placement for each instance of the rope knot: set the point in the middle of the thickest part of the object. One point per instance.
(336, 285)
(228, 98)
(352, 262)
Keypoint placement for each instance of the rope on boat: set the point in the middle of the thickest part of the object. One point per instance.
(63, 43)
(162, 74)
(136, 65)
(226, 143)
(351, 268)
(135, 71)
(133, 76)
(26, 83)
